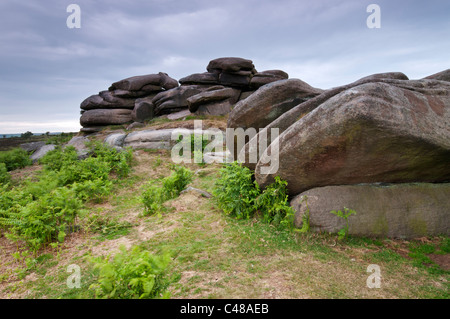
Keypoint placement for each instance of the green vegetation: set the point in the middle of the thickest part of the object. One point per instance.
(238, 244)
(15, 158)
(343, 233)
(239, 196)
(236, 192)
(5, 178)
(274, 205)
(305, 218)
(40, 212)
(154, 196)
(27, 134)
(58, 139)
(131, 274)
(420, 253)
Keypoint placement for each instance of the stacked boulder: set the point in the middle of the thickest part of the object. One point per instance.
(125, 101)
(227, 81)
(380, 146)
(139, 98)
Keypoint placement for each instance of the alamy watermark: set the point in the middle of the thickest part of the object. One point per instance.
(235, 140)
(74, 280)
(374, 280)
(374, 19)
(74, 19)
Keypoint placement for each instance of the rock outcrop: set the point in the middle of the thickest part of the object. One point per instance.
(140, 98)
(395, 131)
(124, 101)
(383, 128)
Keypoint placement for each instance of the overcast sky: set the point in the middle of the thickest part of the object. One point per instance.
(47, 69)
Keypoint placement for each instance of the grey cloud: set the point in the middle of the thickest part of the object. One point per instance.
(48, 69)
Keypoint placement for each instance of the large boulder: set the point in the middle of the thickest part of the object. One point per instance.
(105, 117)
(137, 83)
(200, 78)
(143, 109)
(441, 76)
(80, 145)
(232, 71)
(230, 65)
(149, 139)
(284, 121)
(396, 132)
(239, 80)
(217, 100)
(107, 100)
(41, 151)
(269, 102)
(402, 210)
(115, 140)
(32, 146)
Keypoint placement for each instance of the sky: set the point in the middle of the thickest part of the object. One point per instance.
(48, 69)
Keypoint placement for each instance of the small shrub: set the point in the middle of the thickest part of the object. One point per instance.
(5, 178)
(177, 181)
(119, 161)
(235, 191)
(132, 274)
(305, 218)
(239, 196)
(154, 196)
(15, 158)
(273, 204)
(86, 170)
(343, 233)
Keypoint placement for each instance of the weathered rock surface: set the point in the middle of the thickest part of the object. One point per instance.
(105, 117)
(79, 143)
(143, 109)
(154, 95)
(179, 115)
(395, 132)
(200, 78)
(269, 102)
(217, 100)
(125, 94)
(175, 99)
(284, 121)
(137, 83)
(41, 151)
(32, 146)
(402, 211)
(441, 76)
(230, 65)
(115, 140)
(149, 139)
(245, 94)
